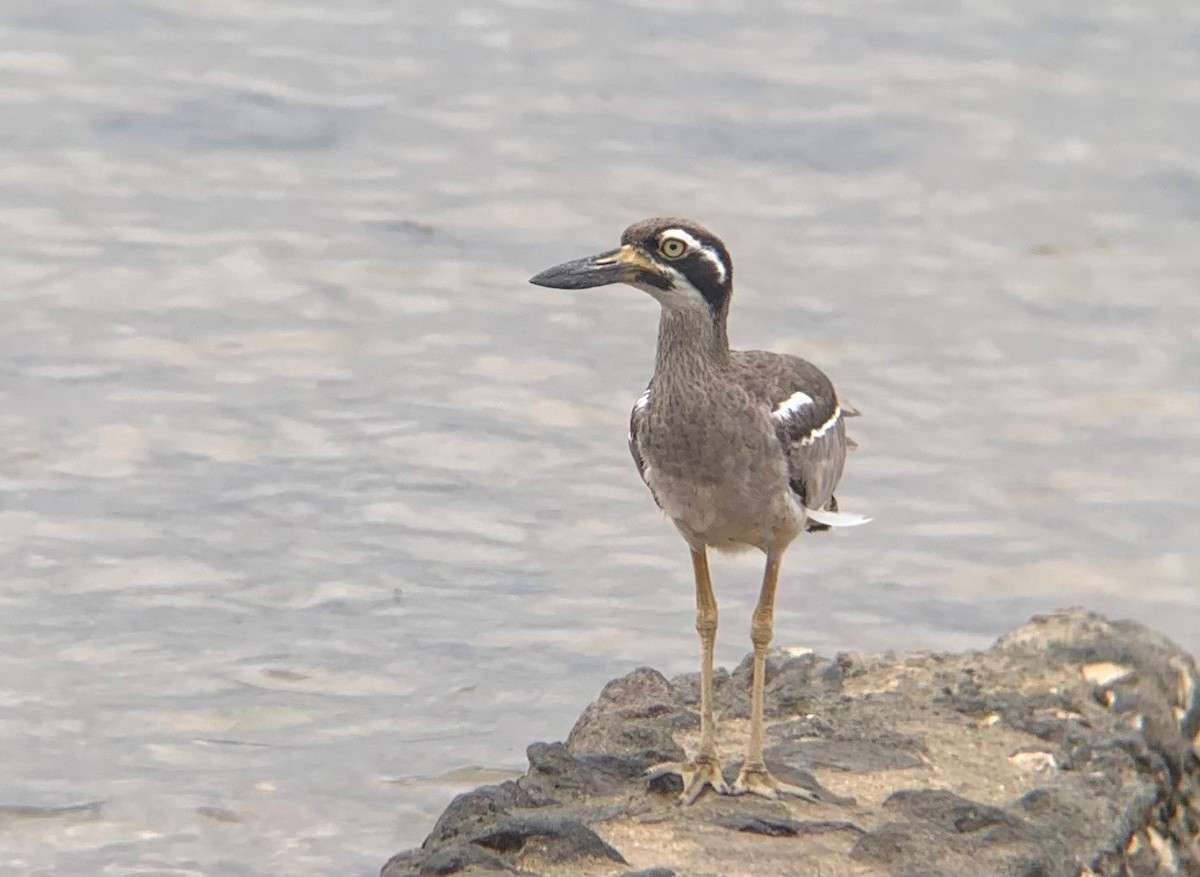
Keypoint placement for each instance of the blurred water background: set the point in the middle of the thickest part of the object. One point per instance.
(314, 513)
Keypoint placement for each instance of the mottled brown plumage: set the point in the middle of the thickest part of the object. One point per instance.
(720, 432)
(741, 449)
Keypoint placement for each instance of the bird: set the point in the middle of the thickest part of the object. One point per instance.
(740, 449)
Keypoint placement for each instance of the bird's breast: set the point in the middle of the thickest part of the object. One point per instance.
(719, 472)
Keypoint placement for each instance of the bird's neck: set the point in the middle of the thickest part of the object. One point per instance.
(690, 342)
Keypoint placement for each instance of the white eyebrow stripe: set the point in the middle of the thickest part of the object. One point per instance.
(703, 249)
(792, 404)
(683, 236)
(823, 428)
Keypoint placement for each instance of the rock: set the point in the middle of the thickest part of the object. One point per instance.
(552, 839)
(782, 827)
(1068, 748)
(858, 750)
(635, 716)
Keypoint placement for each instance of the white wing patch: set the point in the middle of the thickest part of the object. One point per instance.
(791, 405)
(707, 252)
(823, 428)
(642, 401)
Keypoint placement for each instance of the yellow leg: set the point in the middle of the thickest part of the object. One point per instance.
(754, 778)
(705, 770)
(706, 626)
(762, 629)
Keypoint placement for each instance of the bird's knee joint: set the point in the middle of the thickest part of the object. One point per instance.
(760, 635)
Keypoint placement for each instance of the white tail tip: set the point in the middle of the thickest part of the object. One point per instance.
(835, 519)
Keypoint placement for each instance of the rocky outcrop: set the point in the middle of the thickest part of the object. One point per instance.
(1067, 748)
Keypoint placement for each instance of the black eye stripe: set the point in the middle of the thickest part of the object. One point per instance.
(703, 263)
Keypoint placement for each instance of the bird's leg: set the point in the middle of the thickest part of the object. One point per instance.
(706, 626)
(705, 770)
(754, 778)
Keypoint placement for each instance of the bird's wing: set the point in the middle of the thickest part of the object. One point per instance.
(810, 425)
(636, 419)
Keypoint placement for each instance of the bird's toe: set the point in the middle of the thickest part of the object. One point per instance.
(759, 781)
(703, 773)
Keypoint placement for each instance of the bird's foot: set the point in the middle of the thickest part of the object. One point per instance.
(757, 780)
(702, 773)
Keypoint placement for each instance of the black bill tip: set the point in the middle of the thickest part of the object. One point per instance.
(582, 273)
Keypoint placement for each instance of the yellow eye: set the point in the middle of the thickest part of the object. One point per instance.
(672, 248)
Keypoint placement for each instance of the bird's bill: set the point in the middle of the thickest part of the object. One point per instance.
(625, 265)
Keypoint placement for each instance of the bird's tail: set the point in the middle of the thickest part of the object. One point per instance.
(824, 519)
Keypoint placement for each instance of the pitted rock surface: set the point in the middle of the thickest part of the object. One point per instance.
(1068, 748)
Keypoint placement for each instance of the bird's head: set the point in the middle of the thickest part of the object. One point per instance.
(681, 264)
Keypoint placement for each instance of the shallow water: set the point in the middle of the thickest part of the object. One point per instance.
(310, 504)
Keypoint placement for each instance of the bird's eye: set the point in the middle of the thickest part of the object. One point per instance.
(672, 248)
